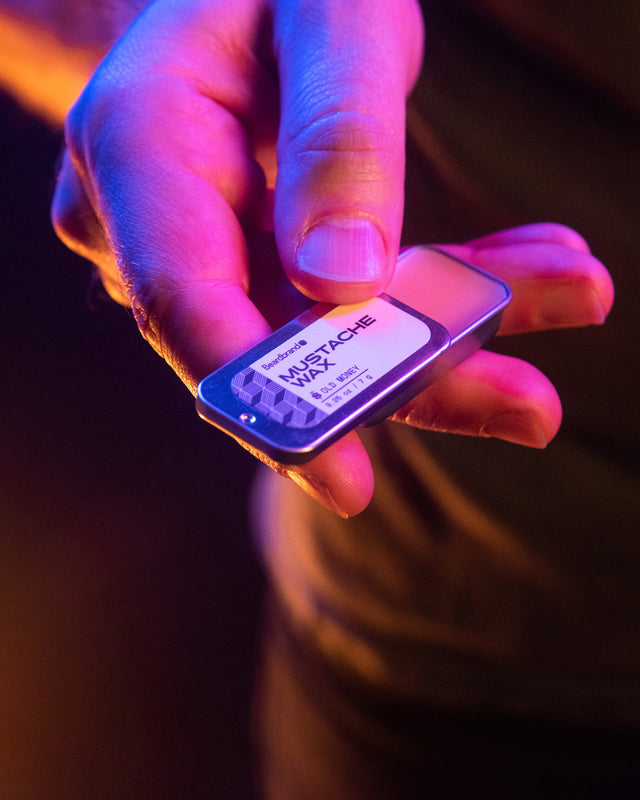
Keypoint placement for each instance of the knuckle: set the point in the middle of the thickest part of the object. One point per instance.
(104, 117)
(154, 304)
(337, 130)
(75, 221)
(73, 133)
(343, 146)
(67, 218)
(169, 310)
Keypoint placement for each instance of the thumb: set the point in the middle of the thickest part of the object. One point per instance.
(345, 71)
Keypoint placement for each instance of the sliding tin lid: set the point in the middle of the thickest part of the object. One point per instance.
(460, 295)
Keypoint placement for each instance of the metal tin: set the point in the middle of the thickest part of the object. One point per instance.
(334, 368)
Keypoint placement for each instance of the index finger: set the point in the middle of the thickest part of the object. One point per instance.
(163, 161)
(165, 164)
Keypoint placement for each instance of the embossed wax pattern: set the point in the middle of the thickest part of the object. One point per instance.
(444, 289)
(330, 362)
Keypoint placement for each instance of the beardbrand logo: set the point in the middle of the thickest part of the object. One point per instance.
(281, 356)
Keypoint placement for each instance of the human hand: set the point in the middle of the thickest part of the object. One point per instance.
(171, 157)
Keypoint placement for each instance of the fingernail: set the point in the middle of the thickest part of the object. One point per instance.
(346, 250)
(574, 303)
(519, 427)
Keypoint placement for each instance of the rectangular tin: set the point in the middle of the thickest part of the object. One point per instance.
(334, 368)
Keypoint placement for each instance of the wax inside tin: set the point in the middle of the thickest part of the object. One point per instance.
(444, 289)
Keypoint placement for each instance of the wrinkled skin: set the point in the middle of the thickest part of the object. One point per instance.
(169, 183)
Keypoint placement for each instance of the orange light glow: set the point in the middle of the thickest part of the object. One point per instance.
(42, 72)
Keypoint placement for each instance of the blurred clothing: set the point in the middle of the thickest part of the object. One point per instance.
(326, 736)
(485, 576)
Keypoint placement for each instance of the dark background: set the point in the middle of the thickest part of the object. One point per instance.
(129, 588)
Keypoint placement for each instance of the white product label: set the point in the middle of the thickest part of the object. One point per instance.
(336, 357)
